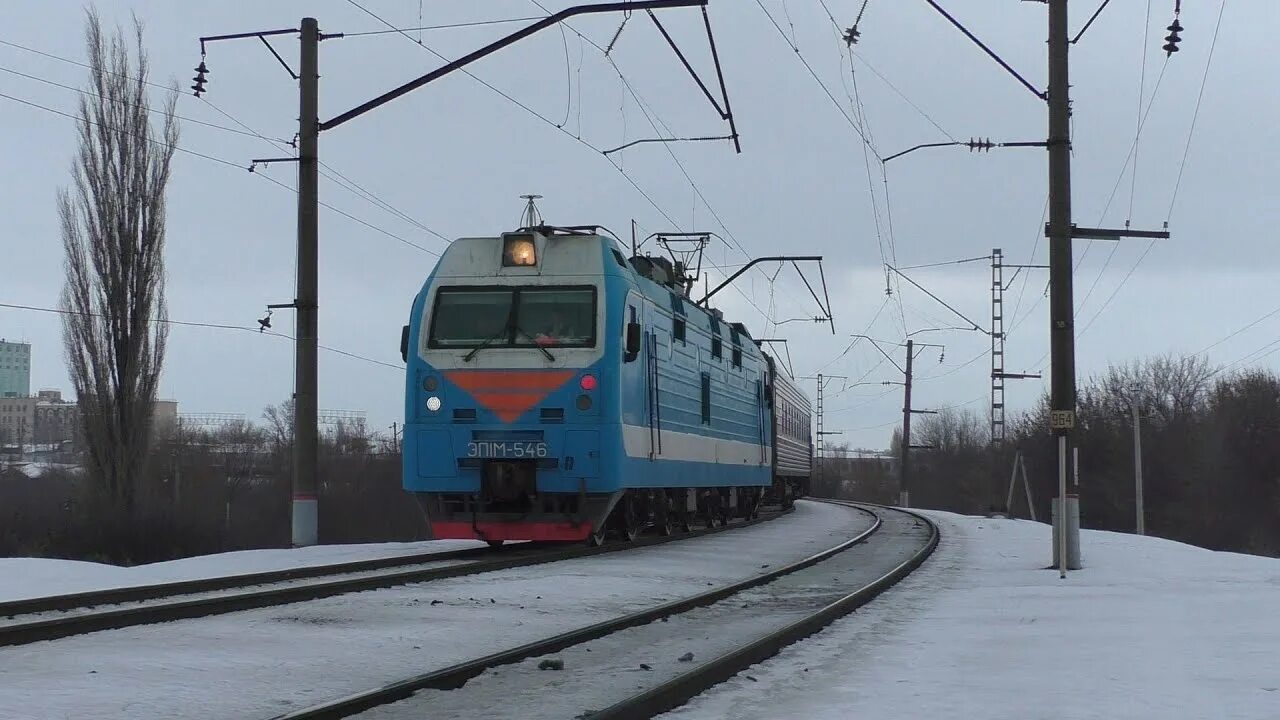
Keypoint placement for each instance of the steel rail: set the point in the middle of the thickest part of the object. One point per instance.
(40, 629)
(680, 689)
(456, 676)
(139, 593)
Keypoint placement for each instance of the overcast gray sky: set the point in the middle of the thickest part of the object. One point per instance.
(454, 156)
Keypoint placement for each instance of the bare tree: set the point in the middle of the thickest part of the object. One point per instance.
(280, 427)
(242, 447)
(953, 430)
(113, 230)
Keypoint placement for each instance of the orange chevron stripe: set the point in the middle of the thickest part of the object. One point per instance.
(508, 393)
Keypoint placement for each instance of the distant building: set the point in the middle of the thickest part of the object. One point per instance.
(15, 369)
(17, 420)
(164, 418)
(56, 420)
(47, 418)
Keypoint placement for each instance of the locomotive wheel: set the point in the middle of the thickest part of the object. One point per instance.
(788, 499)
(495, 544)
(685, 521)
(726, 512)
(597, 538)
(666, 520)
(631, 518)
(711, 514)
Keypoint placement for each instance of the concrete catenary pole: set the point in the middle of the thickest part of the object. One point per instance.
(1061, 303)
(904, 496)
(1140, 525)
(305, 405)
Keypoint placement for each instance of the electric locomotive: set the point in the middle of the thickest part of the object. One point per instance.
(558, 390)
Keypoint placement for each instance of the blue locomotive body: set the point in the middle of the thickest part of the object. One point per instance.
(556, 390)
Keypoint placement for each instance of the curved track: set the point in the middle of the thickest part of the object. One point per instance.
(678, 690)
(53, 617)
(523, 684)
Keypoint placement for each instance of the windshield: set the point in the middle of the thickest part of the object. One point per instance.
(514, 317)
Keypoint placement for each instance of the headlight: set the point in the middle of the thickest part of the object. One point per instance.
(429, 383)
(584, 402)
(519, 250)
(433, 403)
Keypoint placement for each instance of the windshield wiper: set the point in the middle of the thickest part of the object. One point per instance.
(534, 340)
(505, 329)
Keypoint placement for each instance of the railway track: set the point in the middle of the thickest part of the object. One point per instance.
(594, 666)
(50, 618)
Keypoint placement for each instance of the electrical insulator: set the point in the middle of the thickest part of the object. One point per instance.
(199, 79)
(1172, 39)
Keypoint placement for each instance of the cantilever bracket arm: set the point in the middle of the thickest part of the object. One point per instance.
(726, 112)
(544, 23)
(793, 259)
(991, 53)
(942, 302)
(979, 145)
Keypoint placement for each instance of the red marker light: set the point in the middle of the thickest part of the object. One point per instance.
(588, 382)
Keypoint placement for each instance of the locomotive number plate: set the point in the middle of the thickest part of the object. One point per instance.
(489, 449)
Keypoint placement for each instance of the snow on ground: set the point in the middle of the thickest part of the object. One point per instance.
(260, 663)
(1149, 628)
(22, 578)
(599, 673)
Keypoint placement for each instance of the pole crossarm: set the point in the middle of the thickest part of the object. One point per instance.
(1090, 233)
(465, 60)
(243, 35)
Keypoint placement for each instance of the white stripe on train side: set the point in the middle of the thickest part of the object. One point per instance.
(693, 448)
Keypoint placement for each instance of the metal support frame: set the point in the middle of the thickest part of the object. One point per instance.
(546, 22)
(820, 432)
(997, 348)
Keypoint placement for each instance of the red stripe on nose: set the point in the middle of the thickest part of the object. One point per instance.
(509, 393)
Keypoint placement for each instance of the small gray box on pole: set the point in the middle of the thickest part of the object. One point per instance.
(1073, 532)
